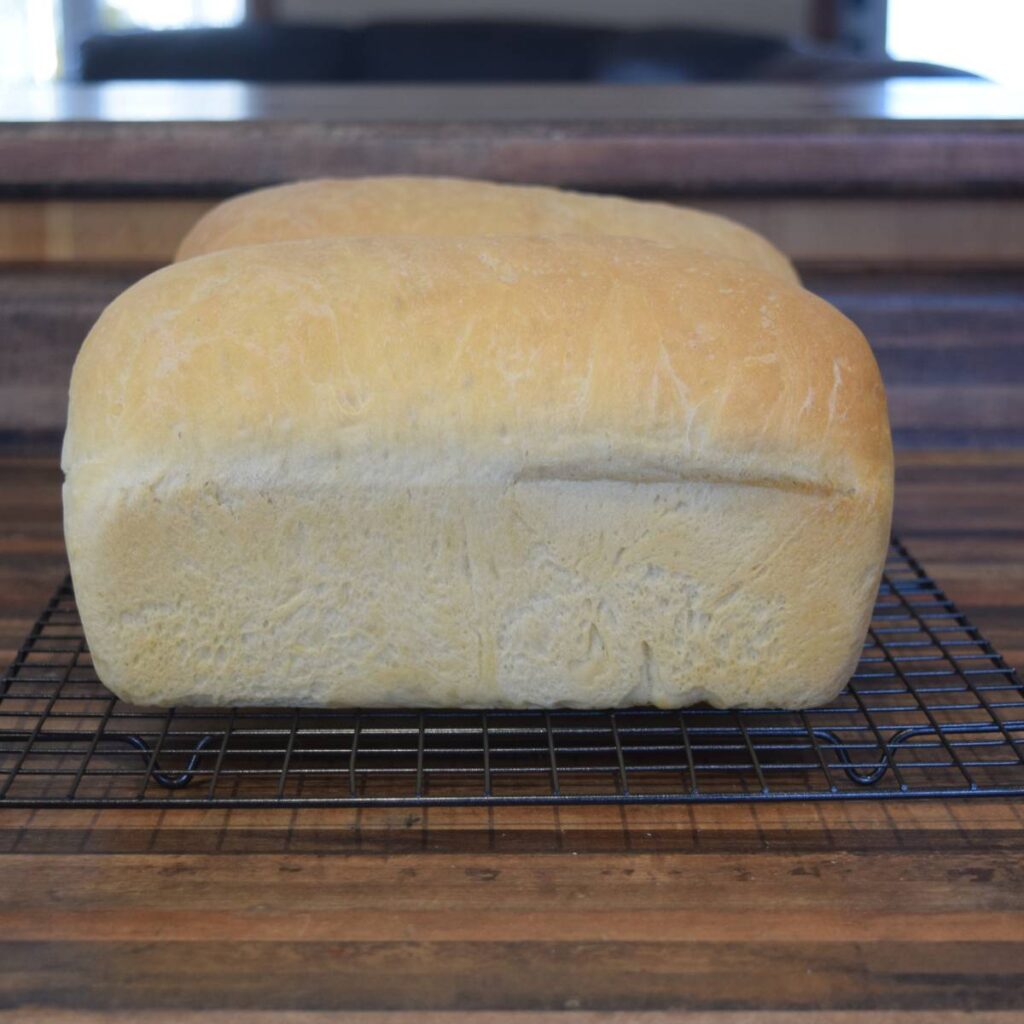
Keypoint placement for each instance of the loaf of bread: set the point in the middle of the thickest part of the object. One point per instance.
(447, 207)
(480, 472)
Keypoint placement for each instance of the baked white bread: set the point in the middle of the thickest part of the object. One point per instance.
(479, 472)
(447, 207)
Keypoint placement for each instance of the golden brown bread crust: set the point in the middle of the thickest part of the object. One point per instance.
(479, 471)
(562, 339)
(454, 207)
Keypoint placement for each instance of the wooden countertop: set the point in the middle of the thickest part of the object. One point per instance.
(922, 103)
(933, 137)
(908, 912)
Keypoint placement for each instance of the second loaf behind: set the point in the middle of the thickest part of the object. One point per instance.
(454, 207)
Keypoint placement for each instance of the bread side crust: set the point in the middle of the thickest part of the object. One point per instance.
(315, 587)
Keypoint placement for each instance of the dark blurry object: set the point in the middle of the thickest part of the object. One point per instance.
(479, 51)
(826, 65)
(858, 27)
(685, 55)
(255, 52)
(474, 51)
(704, 55)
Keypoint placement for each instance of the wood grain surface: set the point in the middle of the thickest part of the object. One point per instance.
(740, 914)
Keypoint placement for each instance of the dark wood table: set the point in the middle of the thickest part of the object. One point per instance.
(894, 912)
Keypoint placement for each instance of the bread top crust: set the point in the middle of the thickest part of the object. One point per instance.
(454, 207)
(568, 358)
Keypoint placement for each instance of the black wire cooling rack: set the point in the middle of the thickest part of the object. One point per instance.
(933, 710)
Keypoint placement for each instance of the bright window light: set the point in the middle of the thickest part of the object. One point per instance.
(156, 14)
(983, 36)
(28, 40)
